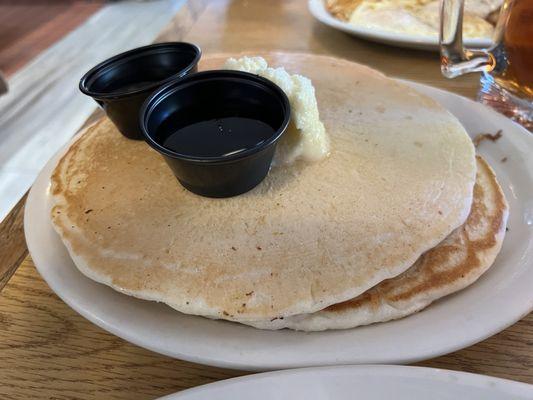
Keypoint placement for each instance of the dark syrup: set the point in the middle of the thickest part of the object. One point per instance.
(219, 137)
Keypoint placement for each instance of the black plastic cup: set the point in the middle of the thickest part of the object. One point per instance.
(122, 83)
(211, 96)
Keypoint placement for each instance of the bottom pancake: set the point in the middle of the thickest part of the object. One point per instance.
(454, 264)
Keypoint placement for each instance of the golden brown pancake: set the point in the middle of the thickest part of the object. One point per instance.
(399, 179)
(451, 266)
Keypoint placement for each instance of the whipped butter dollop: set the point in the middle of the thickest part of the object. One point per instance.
(306, 138)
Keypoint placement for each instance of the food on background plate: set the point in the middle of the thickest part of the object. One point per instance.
(313, 234)
(413, 17)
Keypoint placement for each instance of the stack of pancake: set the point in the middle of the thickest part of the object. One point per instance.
(399, 215)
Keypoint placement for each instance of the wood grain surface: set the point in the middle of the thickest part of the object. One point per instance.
(47, 351)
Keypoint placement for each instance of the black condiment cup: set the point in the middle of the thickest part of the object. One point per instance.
(122, 83)
(215, 95)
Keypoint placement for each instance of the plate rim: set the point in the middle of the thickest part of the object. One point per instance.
(379, 370)
(238, 362)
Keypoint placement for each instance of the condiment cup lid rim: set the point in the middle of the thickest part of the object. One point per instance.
(130, 55)
(178, 83)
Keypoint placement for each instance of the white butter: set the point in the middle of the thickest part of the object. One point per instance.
(306, 137)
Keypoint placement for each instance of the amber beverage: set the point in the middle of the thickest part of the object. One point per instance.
(517, 74)
(506, 66)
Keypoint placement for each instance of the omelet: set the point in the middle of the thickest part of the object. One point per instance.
(394, 16)
(482, 8)
(474, 26)
(413, 17)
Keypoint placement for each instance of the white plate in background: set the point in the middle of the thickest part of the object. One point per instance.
(373, 382)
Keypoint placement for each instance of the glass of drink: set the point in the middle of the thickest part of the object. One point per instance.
(506, 67)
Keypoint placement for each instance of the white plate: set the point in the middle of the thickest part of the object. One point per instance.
(420, 42)
(376, 382)
(501, 297)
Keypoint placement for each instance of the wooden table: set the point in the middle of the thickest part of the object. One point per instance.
(28, 29)
(47, 351)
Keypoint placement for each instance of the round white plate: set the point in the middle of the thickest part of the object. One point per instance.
(319, 11)
(502, 296)
(373, 382)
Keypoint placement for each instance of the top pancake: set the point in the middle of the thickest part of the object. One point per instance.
(399, 179)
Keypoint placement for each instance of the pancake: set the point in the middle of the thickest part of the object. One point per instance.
(451, 266)
(398, 180)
